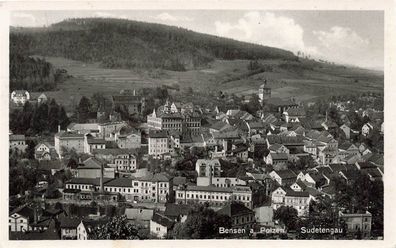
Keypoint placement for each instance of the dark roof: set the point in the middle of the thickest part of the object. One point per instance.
(69, 222)
(284, 174)
(297, 193)
(285, 140)
(296, 111)
(179, 180)
(24, 211)
(163, 220)
(120, 182)
(279, 156)
(234, 208)
(174, 210)
(158, 134)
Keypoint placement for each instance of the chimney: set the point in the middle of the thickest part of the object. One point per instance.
(210, 174)
(35, 218)
(59, 128)
(101, 179)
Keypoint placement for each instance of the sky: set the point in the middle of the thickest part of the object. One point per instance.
(346, 37)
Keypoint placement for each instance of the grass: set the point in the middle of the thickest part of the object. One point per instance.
(229, 76)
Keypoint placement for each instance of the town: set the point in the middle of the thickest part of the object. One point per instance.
(133, 166)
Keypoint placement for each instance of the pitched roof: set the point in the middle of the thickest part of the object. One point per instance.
(17, 137)
(139, 214)
(174, 210)
(163, 220)
(69, 222)
(284, 174)
(234, 209)
(297, 193)
(300, 111)
(279, 156)
(158, 134)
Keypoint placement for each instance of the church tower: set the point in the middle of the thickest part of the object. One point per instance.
(264, 92)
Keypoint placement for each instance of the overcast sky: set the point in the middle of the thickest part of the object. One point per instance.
(348, 37)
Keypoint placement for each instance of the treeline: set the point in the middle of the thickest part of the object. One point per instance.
(130, 44)
(33, 74)
(38, 119)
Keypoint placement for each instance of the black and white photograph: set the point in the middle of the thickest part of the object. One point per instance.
(192, 124)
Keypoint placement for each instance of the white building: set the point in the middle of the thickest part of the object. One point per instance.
(158, 144)
(20, 97)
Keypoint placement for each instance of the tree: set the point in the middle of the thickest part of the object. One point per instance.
(287, 215)
(63, 120)
(83, 109)
(53, 116)
(202, 222)
(117, 228)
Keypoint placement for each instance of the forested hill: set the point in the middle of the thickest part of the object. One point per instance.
(117, 43)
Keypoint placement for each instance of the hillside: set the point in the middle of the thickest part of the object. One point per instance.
(116, 43)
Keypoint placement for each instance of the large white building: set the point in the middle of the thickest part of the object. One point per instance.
(158, 144)
(215, 196)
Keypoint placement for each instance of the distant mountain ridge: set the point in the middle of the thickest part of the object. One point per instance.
(119, 43)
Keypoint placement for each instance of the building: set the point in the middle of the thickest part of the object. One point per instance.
(45, 151)
(91, 143)
(294, 114)
(125, 162)
(158, 144)
(171, 119)
(17, 142)
(160, 225)
(283, 177)
(152, 188)
(215, 196)
(108, 130)
(264, 216)
(367, 128)
(68, 227)
(128, 139)
(222, 182)
(42, 98)
(276, 158)
(264, 92)
(208, 167)
(299, 201)
(91, 168)
(140, 216)
(86, 227)
(21, 218)
(69, 141)
(20, 97)
(241, 216)
(357, 222)
(128, 102)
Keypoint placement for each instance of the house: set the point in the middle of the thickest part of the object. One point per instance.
(17, 142)
(298, 200)
(283, 177)
(278, 197)
(45, 151)
(276, 158)
(128, 101)
(68, 227)
(241, 152)
(140, 216)
(264, 216)
(357, 222)
(152, 188)
(91, 168)
(42, 98)
(124, 162)
(294, 114)
(177, 212)
(21, 218)
(69, 141)
(160, 225)
(346, 130)
(208, 167)
(158, 144)
(91, 143)
(20, 97)
(86, 227)
(222, 182)
(128, 138)
(241, 216)
(278, 148)
(367, 128)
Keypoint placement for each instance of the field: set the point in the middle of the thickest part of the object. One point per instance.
(229, 76)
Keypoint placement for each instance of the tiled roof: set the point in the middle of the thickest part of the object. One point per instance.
(17, 137)
(162, 220)
(234, 209)
(174, 210)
